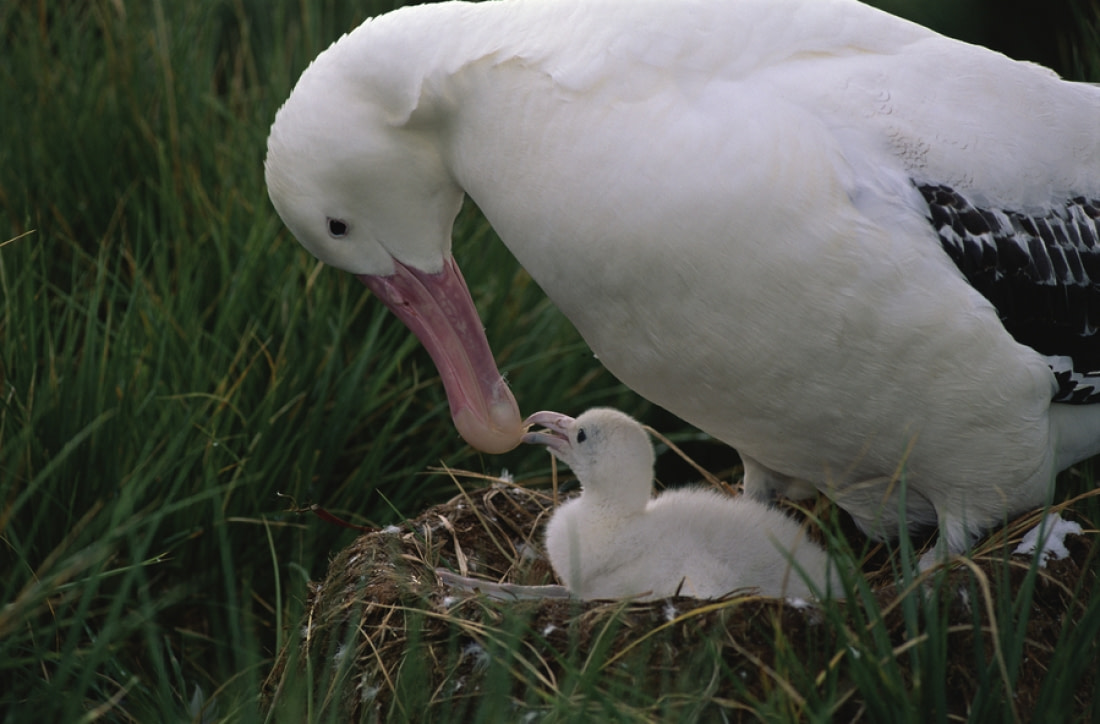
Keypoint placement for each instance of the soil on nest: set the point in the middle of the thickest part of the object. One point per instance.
(383, 636)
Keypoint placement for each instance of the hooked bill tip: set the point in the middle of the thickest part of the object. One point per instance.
(500, 433)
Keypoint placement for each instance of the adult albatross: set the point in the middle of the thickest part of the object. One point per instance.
(838, 241)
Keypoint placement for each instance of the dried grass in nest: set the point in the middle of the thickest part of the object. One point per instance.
(381, 610)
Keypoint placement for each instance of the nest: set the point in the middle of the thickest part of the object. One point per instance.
(383, 638)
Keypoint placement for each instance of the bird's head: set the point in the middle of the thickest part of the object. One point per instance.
(360, 188)
(609, 452)
(357, 175)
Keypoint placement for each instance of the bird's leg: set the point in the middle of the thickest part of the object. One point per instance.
(955, 538)
(932, 557)
(764, 484)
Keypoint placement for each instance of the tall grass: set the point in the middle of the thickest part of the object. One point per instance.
(179, 377)
(177, 374)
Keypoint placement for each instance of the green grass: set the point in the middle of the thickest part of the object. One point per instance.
(173, 364)
(178, 376)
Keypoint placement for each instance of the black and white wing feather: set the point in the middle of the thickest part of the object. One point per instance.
(1040, 271)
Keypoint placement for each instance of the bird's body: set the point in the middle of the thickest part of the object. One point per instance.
(758, 215)
(616, 541)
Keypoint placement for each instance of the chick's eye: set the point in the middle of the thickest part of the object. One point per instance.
(581, 435)
(337, 228)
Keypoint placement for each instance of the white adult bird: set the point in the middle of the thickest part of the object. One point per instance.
(838, 241)
(615, 540)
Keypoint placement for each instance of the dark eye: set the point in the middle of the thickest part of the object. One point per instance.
(337, 228)
(581, 436)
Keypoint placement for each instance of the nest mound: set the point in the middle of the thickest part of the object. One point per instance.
(384, 639)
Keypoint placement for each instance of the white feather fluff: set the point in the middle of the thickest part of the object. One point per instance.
(615, 540)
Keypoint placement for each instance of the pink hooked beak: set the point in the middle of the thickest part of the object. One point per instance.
(555, 434)
(440, 312)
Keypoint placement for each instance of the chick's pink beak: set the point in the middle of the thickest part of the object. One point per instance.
(439, 310)
(555, 434)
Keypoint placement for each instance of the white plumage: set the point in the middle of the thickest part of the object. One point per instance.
(855, 250)
(617, 541)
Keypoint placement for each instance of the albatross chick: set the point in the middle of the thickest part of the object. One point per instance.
(617, 540)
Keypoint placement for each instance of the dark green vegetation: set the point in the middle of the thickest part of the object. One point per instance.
(178, 376)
